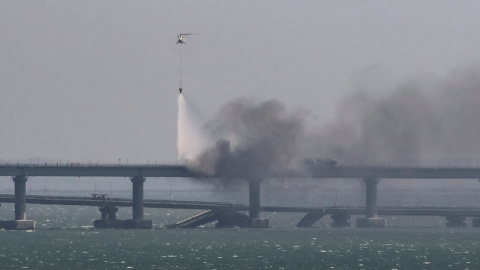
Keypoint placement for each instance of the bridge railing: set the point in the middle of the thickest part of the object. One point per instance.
(58, 164)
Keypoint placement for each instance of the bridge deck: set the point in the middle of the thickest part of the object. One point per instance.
(200, 205)
(89, 170)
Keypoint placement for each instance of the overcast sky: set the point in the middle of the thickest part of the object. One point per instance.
(98, 80)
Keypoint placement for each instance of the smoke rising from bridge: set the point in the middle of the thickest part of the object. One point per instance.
(253, 138)
(419, 121)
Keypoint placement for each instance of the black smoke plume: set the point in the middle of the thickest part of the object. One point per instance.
(252, 139)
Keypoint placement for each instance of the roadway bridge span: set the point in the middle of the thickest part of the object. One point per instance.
(89, 170)
(181, 171)
(138, 173)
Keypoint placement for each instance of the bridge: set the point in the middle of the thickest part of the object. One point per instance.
(138, 174)
(89, 170)
(363, 172)
(228, 213)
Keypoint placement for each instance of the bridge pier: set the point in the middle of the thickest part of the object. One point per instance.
(109, 218)
(371, 219)
(254, 204)
(20, 222)
(137, 221)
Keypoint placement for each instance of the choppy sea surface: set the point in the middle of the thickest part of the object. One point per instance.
(209, 248)
(65, 239)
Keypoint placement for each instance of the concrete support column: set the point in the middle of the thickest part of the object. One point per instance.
(20, 201)
(104, 213)
(137, 221)
(371, 219)
(254, 198)
(137, 197)
(112, 213)
(254, 204)
(20, 197)
(371, 197)
(109, 218)
(108, 212)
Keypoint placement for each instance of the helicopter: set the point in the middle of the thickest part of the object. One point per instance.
(181, 41)
(181, 38)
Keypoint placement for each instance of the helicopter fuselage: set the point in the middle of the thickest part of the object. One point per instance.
(181, 40)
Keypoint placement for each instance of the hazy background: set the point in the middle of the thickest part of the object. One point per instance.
(97, 81)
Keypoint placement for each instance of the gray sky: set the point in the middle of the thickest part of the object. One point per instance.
(98, 80)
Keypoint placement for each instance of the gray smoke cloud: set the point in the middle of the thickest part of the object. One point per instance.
(420, 122)
(253, 138)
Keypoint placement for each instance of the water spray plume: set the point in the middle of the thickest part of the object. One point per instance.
(190, 139)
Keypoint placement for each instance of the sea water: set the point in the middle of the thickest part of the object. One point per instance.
(209, 248)
(65, 239)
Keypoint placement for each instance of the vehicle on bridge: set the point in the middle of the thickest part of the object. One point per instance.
(320, 162)
(102, 196)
